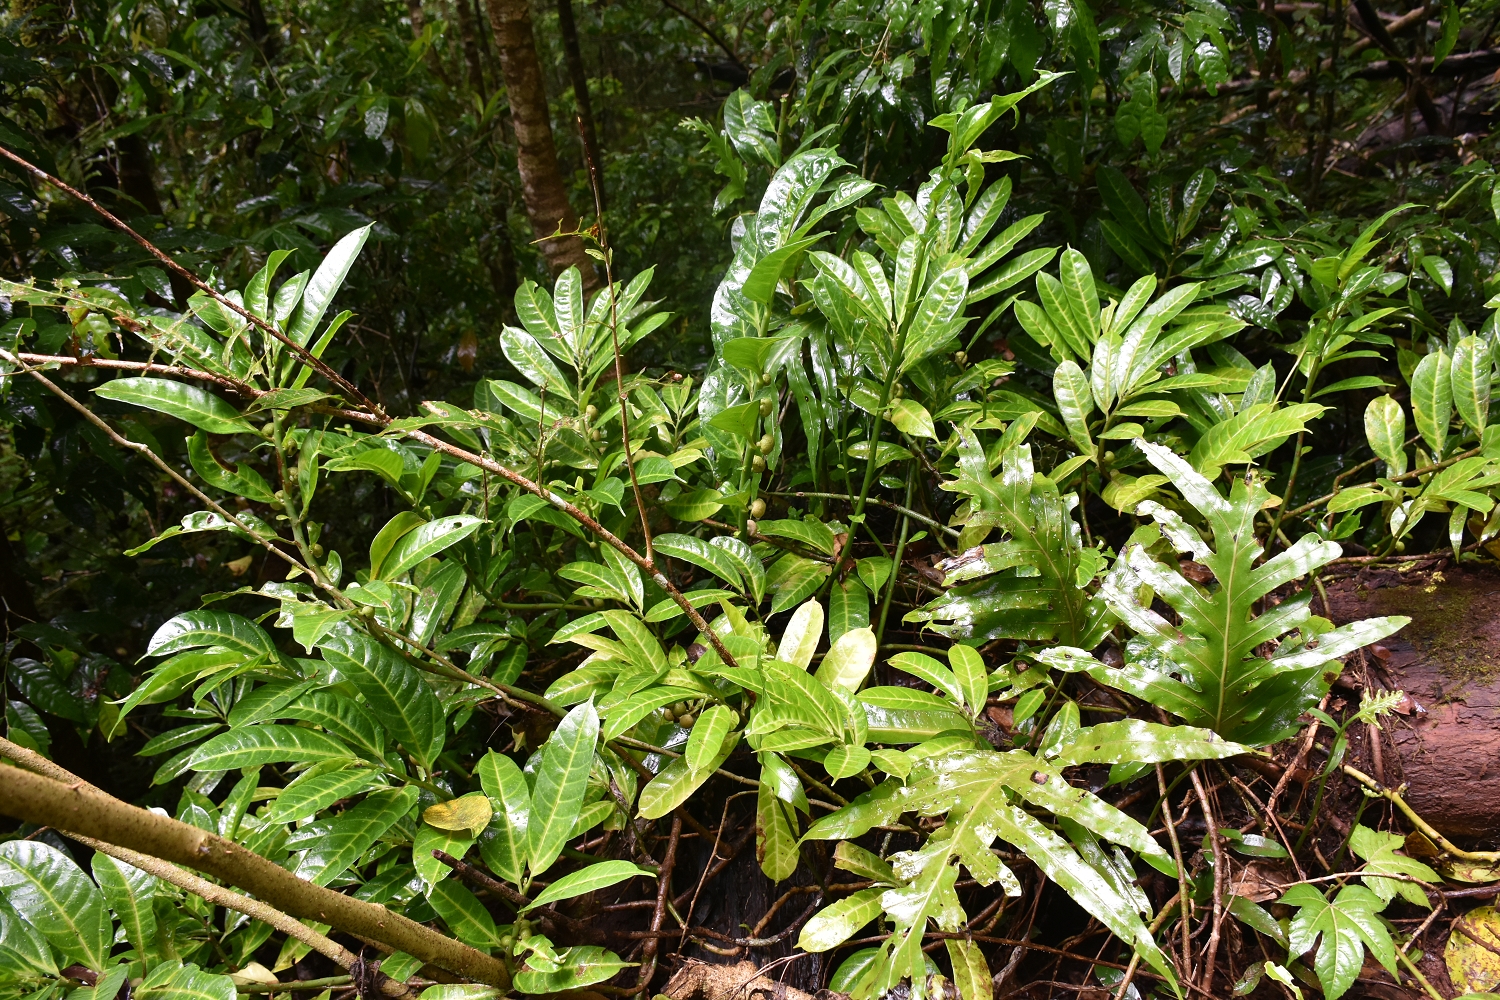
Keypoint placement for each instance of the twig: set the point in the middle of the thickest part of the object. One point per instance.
(295, 986)
(307, 356)
(1219, 877)
(888, 505)
(1394, 797)
(39, 791)
(663, 890)
(1182, 880)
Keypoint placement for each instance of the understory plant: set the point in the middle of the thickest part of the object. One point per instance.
(609, 600)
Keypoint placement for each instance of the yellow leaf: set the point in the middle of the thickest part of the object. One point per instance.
(1473, 952)
(470, 813)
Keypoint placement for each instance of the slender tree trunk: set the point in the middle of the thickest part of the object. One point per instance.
(469, 36)
(580, 77)
(542, 186)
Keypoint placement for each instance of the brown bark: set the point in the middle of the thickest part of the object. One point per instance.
(469, 37)
(568, 28)
(542, 186)
(43, 794)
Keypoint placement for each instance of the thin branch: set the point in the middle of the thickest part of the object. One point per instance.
(38, 791)
(711, 33)
(307, 356)
(154, 459)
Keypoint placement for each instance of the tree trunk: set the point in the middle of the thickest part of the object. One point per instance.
(542, 185)
(469, 36)
(580, 77)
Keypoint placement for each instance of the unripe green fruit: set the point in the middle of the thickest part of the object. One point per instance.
(765, 379)
(268, 429)
(758, 463)
(960, 357)
(765, 444)
(590, 412)
(758, 508)
(750, 526)
(317, 551)
(766, 406)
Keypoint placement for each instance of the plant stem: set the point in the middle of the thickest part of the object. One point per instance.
(1185, 901)
(888, 505)
(1394, 797)
(890, 588)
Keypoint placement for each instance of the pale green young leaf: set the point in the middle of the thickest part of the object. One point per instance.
(849, 659)
(1471, 373)
(969, 672)
(1385, 430)
(707, 736)
(325, 283)
(838, 922)
(803, 633)
(426, 541)
(775, 835)
(676, 782)
(1075, 401)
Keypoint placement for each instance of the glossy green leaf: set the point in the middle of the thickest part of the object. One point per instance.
(597, 876)
(775, 834)
(837, 923)
(426, 541)
(803, 633)
(310, 795)
(211, 628)
(699, 553)
(464, 914)
(131, 894)
(561, 779)
(1385, 430)
(582, 965)
(676, 782)
(53, 894)
(1471, 373)
(1432, 400)
(190, 403)
(849, 660)
(353, 832)
(325, 283)
(707, 736)
(253, 746)
(504, 842)
(1346, 926)
(392, 689)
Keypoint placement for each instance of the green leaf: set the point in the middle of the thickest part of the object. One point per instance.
(1379, 852)
(971, 677)
(912, 419)
(707, 736)
(253, 746)
(391, 688)
(131, 894)
(404, 521)
(1385, 429)
(586, 880)
(464, 914)
(353, 833)
(54, 896)
(701, 554)
(191, 403)
(694, 505)
(937, 319)
(531, 360)
(835, 924)
(211, 628)
(775, 834)
(1346, 927)
(244, 481)
(339, 716)
(792, 578)
(325, 283)
(429, 839)
(561, 779)
(1249, 434)
(1432, 400)
(676, 782)
(426, 541)
(1137, 741)
(1070, 387)
(809, 531)
(582, 965)
(503, 843)
(187, 982)
(24, 952)
(849, 660)
(848, 608)
(1209, 668)
(1025, 587)
(1471, 374)
(308, 796)
(760, 285)
(803, 633)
